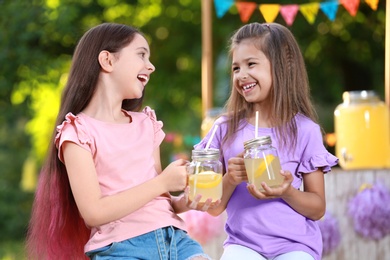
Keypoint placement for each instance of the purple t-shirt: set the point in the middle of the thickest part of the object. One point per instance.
(272, 227)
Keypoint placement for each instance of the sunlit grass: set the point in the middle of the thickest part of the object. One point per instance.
(12, 250)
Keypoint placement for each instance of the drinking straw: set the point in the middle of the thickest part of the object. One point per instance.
(211, 137)
(266, 166)
(206, 148)
(257, 123)
(256, 127)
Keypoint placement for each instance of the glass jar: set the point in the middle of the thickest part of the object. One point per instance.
(262, 162)
(362, 131)
(205, 174)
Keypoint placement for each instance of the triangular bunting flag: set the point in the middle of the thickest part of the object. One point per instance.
(245, 9)
(222, 6)
(288, 12)
(330, 9)
(309, 11)
(269, 11)
(351, 6)
(373, 4)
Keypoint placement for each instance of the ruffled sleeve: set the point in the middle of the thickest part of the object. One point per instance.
(72, 129)
(314, 154)
(322, 161)
(159, 134)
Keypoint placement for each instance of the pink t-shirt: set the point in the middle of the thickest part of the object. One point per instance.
(123, 157)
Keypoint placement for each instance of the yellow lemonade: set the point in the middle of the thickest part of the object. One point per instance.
(362, 135)
(265, 169)
(208, 184)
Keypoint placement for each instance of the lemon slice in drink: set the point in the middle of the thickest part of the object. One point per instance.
(205, 180)
(262, 167)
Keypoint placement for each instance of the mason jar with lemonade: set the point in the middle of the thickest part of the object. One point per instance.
(205, 175)
(262, 162)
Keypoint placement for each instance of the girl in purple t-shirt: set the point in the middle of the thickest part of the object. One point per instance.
(269, 76)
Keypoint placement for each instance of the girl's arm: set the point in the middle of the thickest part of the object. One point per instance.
(182, 204)
(179, 205)
(97, 209)
(157, 160)
(235, 174)
(310, 202)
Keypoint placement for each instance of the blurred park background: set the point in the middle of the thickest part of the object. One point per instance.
(37, 39)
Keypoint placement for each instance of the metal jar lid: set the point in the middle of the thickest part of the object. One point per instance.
(261, 140)
(210, 153)
(363, 96)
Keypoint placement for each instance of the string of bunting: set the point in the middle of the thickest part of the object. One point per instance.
(289, 11)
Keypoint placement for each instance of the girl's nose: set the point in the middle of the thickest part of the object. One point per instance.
(243, 75)
(150, 67)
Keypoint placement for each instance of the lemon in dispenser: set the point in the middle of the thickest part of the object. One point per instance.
(362, 131)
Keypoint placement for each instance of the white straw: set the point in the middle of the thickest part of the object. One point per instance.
(267, 168)
(257, 123)
(211, 137)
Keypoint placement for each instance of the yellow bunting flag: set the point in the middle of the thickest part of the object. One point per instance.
(245, 9)
(309, 11)
(351, 6)
(269, 11)
(373, 4)
(288, 12)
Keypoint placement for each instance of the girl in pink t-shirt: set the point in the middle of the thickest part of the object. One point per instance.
(102, 191)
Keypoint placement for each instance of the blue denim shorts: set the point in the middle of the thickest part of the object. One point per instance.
(168, 243)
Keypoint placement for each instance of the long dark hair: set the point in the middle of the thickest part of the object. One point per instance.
(56, 229)
(290, 93)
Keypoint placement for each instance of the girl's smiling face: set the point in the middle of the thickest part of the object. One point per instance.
(251, 72)
(132, 68)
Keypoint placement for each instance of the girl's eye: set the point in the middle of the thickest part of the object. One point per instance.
(251, 64)
(235, 68)
(143, 54)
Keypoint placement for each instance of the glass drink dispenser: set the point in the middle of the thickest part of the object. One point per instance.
(362, 131)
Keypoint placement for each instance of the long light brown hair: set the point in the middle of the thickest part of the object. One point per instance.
(290, 93)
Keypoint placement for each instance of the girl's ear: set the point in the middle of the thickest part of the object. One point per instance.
(105, 61)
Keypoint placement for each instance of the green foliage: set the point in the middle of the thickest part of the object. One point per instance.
(15, 211)
(39, 37)
(12, 250)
